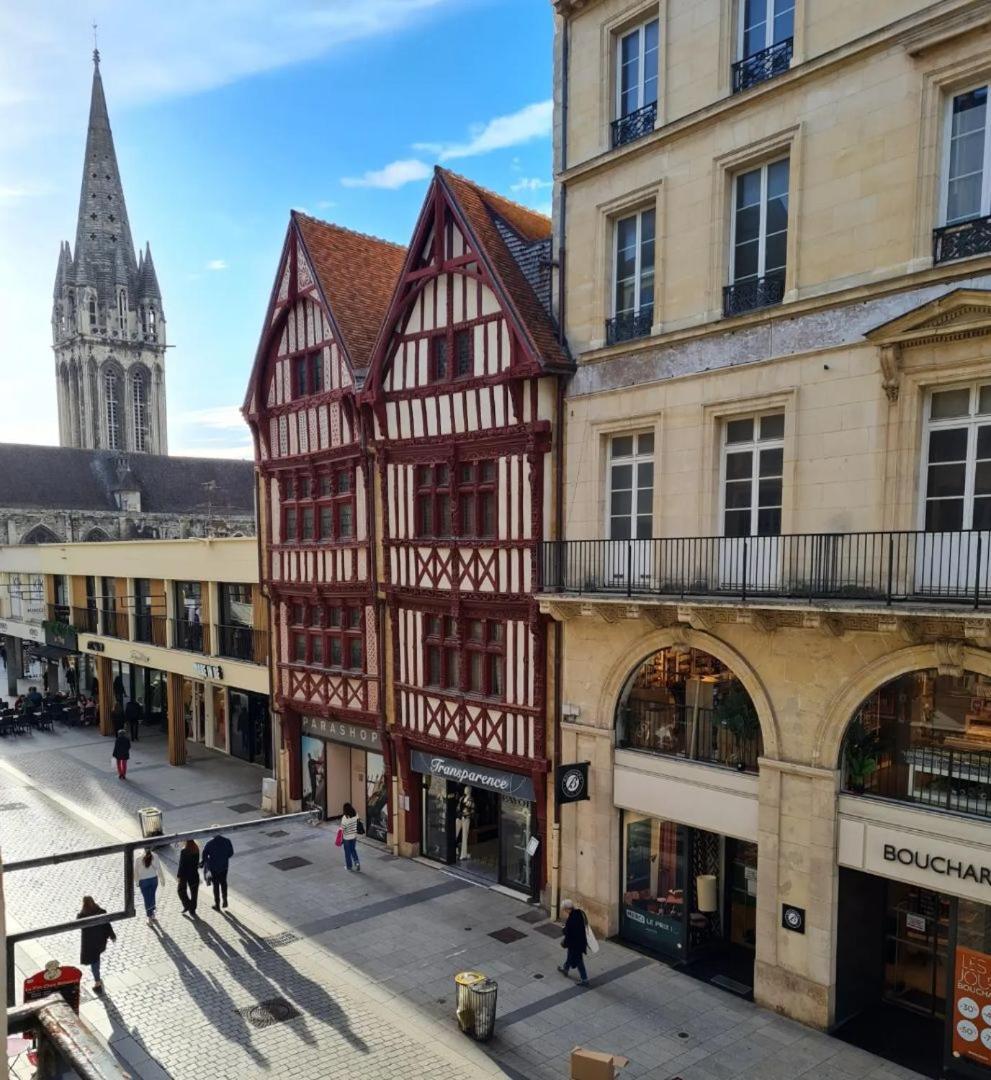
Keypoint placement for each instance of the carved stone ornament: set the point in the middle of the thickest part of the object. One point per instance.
(949, 658)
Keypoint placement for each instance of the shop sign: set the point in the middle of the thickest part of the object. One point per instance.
(209, 671)
(972, 1006)
(793, 918)
(54, 979)
(572, 782)
(654, 931)
(464, 772)
(21, 630)
(95, 646)
(61, 635)
(338, 731)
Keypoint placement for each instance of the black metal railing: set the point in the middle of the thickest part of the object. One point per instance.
(86, 619)
(634, 125)
(629, 325)
(962, 240)
(686, 732)
(886, 567)
(114, 623)
(190, 636)
(60, 613)
(754, 293)
(933, 776)
(763, 65)
(243, 643)
(150, 629)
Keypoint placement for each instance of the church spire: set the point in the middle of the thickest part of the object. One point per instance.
(104, 254)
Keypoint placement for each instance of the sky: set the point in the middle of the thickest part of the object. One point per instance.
(226, 115)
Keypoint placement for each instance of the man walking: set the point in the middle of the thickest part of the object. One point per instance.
(575, 941)
(122, 752)
(216, 860)
(132, 714)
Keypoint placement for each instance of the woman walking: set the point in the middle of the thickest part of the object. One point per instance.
(575, 941)
(349, 829)
(148, 874)
(122, 751)
(95, 939)
(189, 877)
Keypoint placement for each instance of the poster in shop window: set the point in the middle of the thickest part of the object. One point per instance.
(972, 1006)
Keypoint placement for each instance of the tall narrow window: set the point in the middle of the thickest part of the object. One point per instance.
(92, 312)
(968, 191)
(631, 486)
(637, 76)
(753, 465)
(958, 459)
(760, 238)
(764, 23)
(139, 408)
(633, 297)
(112, 410)
(122, 309)
(439, 364)
(463, 353)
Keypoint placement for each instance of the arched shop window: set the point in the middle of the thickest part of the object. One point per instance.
(924, 738)
(683, 702)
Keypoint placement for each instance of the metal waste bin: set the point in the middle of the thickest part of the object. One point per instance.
(476, 1004)
(151, 821)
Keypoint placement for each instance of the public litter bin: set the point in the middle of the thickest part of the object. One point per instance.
(151, 821)
(476, 1004)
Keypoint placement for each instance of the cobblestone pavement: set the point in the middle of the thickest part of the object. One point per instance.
(367, 960)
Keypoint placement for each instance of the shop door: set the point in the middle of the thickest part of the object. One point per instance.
(514, 835)
(915, 949)
(439, 812)
(477, 831)
(376, 798)
(741, 858)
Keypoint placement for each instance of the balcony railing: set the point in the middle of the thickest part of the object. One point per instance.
(86, 619)
(114, 624)
(686, 732)
(763, 65)
(629, 325)
(754, 293)
(243, 643)
(190, 636)
(634, 125)
(885, 567)
(150, 629)
(60, 613)
(934, 777)
(962, 240)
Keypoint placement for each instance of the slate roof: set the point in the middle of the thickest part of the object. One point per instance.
(66, 478)
(481, 207)
(357, 274)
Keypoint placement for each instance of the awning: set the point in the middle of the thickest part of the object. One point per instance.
(48, 652)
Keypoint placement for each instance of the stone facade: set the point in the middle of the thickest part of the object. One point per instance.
(868, 328)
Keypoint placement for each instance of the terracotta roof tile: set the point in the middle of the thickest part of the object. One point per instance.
(478, 204)
(358, 276)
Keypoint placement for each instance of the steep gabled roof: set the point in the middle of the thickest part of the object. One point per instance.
(357, 275)
(479, 207)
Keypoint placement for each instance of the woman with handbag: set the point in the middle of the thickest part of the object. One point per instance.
(348, 836)
(94, 940)
(148, 875)
(575, 941)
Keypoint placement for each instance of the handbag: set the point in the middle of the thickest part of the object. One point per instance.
(361, 827)
(593, 942)
(339, 839)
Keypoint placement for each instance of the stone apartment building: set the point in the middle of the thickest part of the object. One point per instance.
(773, 239)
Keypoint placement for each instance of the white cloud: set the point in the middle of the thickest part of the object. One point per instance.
(325, 204)
(241, 452)
(530, 183)
(217, 431)
(392, 176)
(523, 126)
(217, 264)
(217, 418)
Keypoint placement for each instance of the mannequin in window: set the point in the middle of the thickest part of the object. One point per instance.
(466, 810)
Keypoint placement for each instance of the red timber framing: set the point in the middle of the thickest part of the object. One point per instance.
(314, 480)
(463, 394)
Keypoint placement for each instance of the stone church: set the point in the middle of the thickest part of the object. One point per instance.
(111, 478)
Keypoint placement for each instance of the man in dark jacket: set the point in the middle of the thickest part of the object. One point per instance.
(216, 859)
(122, 752)
(575, 941)
(34, 698)
(95, 939)
(132, 714)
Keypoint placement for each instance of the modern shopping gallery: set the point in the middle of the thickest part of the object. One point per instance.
(851, 892)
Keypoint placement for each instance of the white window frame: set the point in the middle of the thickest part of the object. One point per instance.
(768, 28)
(972, 421)
(755, 445)
(640, 30)
(638, 268)
(944, 178)
(634, 460)
(762, 235)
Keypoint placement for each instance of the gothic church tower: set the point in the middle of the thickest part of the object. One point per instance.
(108, 327)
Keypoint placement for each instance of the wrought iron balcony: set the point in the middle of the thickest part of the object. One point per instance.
(629, 325)
(763, 65)
(754, 293)
(243, 643)
(686, 732)
(634, 125)
(869, 567)
(962, 240)
(190, 636)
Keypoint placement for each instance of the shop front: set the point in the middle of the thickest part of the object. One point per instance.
(250, 727)
(481, 819)
(690, 896)
(146, 686)
(342, 762)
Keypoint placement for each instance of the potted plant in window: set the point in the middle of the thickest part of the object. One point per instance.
(735, 712)
(861, 754)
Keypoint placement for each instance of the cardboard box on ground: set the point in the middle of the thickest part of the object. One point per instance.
(595, 1065)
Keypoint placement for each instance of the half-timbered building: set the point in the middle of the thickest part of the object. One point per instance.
(464, 395)
(331, 293)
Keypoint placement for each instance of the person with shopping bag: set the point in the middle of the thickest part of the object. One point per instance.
(578, 940)
(347, 837)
